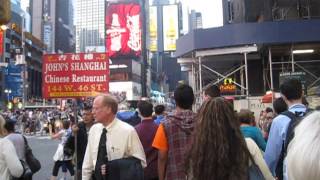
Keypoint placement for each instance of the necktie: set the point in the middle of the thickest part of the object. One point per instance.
(102, 155)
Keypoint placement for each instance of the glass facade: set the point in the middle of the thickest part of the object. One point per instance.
(90, 25)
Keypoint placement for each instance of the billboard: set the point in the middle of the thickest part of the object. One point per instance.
(75, 75)
(296, 75)
(170, 27)
(1, 42)
(13, 80)
(153, 29)
(123, 30)
(125, 90)
(47, 33)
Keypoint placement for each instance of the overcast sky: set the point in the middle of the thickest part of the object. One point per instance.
(211, 11)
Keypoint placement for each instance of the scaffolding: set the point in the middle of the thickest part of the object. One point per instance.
(197, 66)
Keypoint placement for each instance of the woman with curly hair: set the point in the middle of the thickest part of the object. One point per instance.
(219, 150)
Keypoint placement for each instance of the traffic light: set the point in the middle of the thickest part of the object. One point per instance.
(5, 11)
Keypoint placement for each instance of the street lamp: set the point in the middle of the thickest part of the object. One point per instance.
(8, 92)
(23, 63)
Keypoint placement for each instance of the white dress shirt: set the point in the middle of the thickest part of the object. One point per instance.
(122, 141)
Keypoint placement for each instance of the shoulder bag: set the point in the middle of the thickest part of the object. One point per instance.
(33, 163)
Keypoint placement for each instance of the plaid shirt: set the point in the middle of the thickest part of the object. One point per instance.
(178, 129)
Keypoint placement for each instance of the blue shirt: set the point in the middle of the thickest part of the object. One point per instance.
(255, 134)
(159, 119)
(277, 135)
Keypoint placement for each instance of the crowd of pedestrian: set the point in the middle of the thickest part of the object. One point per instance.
(152, 143)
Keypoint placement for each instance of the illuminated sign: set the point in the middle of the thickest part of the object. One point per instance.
(170, 27)
(228, 86)
(75, 75)
(9, 105)
(130, 90)
(1, 42)
(153, 28)
(123, 30)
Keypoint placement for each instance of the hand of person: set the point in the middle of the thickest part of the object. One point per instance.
(104, 169)
(75, 128)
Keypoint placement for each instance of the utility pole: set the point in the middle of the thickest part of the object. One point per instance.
(23, 63)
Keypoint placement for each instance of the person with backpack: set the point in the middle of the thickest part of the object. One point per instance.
(10, 166)
(283, 125)
(18, 142)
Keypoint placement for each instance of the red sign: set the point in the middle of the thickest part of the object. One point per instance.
(75, 75)
(123, 30)
(1, 42)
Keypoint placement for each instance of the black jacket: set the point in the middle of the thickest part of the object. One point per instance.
(82, 141)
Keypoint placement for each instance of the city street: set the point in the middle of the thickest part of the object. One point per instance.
(44, 148)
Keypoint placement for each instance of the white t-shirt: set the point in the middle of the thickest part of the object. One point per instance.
(18, 143)
(59, 155)
(10, 164)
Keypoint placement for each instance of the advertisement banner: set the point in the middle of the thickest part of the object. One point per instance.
(170, 27)
(125, 90)
(1, 42)
(153, 28)
(123, 30)
(13, 80)
(47, 33)
(75, 75)
(296, 75)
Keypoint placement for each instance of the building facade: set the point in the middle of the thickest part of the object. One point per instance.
(90, 25)
(52, 22)
(259, 44)
(22, 53)
(195, 20)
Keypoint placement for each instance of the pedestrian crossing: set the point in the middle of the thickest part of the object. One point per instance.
(37, 137)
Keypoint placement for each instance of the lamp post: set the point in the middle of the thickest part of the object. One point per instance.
(23, 63)
(8, 92)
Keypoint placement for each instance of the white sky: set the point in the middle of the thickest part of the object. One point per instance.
(211, 11)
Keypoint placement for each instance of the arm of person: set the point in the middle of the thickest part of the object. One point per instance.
(87, 165)
(162, 163)
(57, 135)
(260, 140)
(75, 129)
(274, 144)
(160, 142)
(11, 158)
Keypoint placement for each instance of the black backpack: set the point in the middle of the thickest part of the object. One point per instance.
(295, 119)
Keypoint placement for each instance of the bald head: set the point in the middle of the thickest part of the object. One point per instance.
(108, 100)
(104, 109)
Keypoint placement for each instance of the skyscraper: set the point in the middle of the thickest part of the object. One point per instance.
(90, 25)
(52, 23)
(64, 27)
(195, 20)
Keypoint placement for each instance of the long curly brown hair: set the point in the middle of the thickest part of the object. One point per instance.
(219, 151)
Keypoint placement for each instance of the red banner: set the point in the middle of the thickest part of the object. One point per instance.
(123, 30)
(75, 75)
(1, 42)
